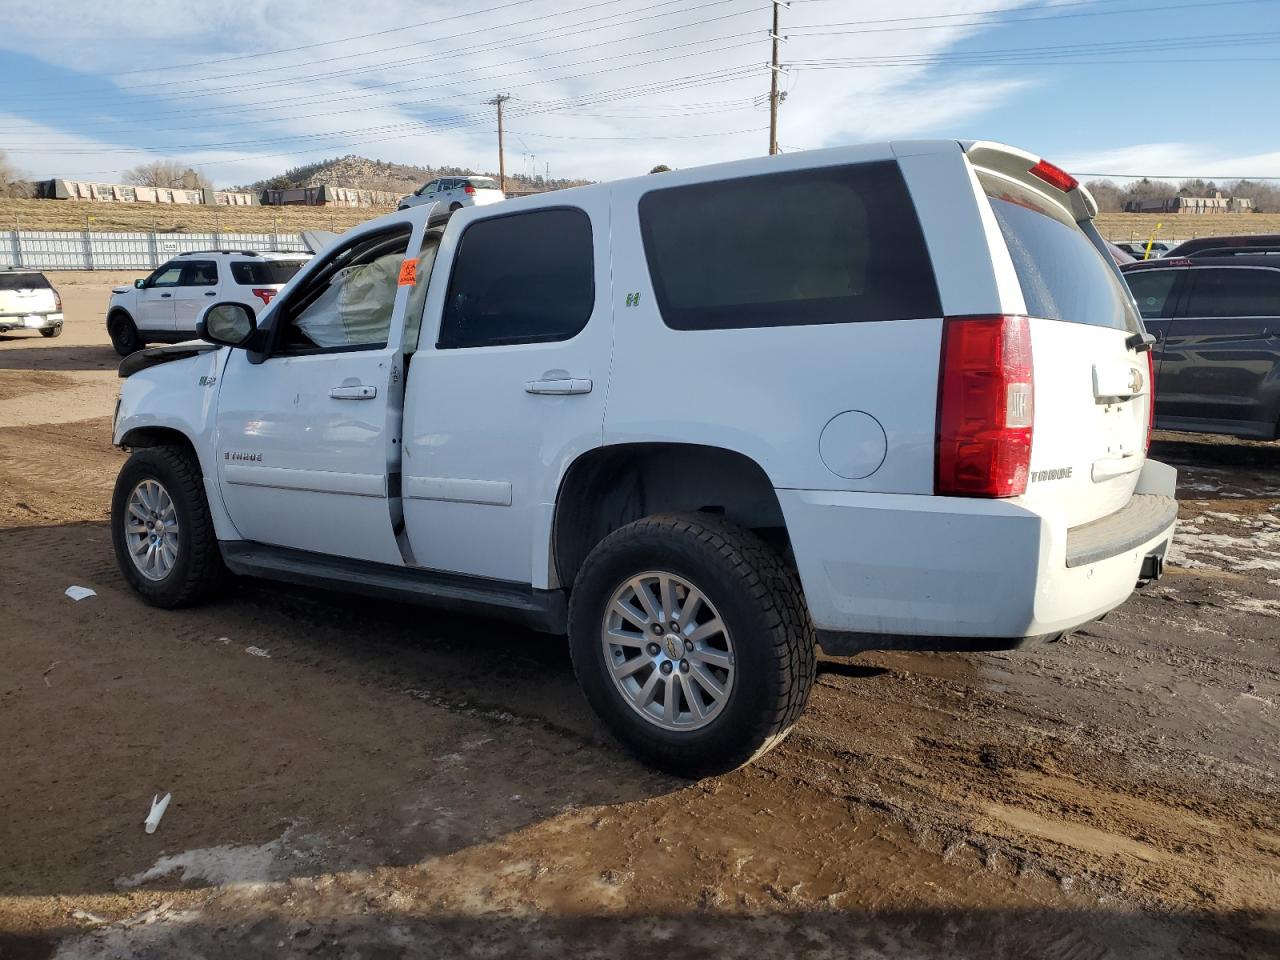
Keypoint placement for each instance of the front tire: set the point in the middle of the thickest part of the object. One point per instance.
(124, 334)
(726, 671)
(161, 528)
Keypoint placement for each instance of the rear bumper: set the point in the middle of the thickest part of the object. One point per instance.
(30, 321)
(886, 571)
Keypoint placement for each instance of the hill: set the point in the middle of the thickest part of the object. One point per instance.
(365, 174)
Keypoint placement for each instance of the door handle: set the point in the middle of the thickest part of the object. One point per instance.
(211, 293)
(558, 388)
(357, 392)
(166, 295)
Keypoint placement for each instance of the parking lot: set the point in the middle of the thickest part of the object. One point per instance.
(356, 780)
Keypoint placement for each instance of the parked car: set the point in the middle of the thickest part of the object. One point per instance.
(455, 193)
(1200, 244)
(162, 308)
(28, 301)
(1119, 254)
(1138, 249)
(1217, 320)
(889, 396)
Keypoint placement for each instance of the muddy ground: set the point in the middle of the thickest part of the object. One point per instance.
(375, 781)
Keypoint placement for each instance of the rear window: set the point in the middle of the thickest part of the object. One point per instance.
(1063, 275)
(264, 273)
(483, 183)
(834, 245)
(1233, 292)
(23, 281)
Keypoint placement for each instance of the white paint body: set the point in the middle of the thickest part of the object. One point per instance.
(840, 417)
(451, 192)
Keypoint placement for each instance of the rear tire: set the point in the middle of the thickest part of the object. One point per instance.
(455, 207)
(164, 485)
(766, 659)
(124, 334)
(52, 331)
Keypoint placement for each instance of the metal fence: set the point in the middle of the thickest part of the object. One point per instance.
(87, 250)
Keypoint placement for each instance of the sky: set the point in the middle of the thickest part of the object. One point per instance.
(602, 89)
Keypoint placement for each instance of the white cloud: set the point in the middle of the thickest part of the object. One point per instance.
(441, 117)
(1175, 160)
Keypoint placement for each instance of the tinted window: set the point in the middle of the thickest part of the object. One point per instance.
(1234, 292)
(525, 278)
(200, 273)
(264, 273)
(1151, 288)
(1062, 274)
(483, 183)
(835, 245)
(22, 281)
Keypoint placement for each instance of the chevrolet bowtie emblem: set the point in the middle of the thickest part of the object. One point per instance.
(1135, 380)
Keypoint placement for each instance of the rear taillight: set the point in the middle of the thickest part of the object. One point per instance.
(57, 301)
(986, 402)
(264, 294)
(1055, 176)
(468, 189)
(1151, 395)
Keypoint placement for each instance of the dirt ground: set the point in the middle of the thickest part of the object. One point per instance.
(374, 781)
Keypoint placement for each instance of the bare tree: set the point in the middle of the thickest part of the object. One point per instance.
(12, 183)
(661, 168)
(166, 173)
(1110, 197)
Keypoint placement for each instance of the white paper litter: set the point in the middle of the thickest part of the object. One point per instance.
(79, 593)
(158, 806)
(257, 652)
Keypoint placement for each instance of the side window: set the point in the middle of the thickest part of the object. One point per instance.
(166, 276)
(831, 245)
(347, 303)
(1151, 288)
(429, 188)
(200, 273)
(1234, 292)
(520, 278)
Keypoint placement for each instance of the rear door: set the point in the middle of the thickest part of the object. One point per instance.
(156, 305)
(1222, 349)
(1092, 389)
(25, 294)
(508, 385)
(196, 290)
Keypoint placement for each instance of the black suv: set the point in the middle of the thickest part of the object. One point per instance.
(1216, 317)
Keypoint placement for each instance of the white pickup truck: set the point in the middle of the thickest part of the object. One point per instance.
(890, 396)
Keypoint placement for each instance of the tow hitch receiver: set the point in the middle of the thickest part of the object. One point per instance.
(1152, 567)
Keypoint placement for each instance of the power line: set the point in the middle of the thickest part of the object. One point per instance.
(1168, 176)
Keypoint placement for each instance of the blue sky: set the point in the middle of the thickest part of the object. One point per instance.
(608, 88)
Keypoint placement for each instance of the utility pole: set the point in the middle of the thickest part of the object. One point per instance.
(498, 101)
(774, 69)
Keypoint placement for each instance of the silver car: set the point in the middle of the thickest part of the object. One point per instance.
(456, 193)
(29, 302)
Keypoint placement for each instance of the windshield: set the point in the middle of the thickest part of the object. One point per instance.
(23, 281)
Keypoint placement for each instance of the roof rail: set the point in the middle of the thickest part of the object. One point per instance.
(1233, 252)
(243, 253)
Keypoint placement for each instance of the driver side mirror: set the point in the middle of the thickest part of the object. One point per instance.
(227, 324)
(140, 284)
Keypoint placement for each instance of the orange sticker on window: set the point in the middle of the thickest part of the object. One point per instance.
(408, 273)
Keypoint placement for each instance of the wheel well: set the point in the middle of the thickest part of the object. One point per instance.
(119, 312)
(610, 487)
(158, 437)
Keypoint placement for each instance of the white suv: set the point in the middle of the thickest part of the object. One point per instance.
(28, 301)
(164, 306)
(454, 193)
(889, 396)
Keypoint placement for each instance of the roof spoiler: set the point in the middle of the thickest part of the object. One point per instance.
(1034, 172)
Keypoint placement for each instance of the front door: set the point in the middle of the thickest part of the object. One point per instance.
(308, 438)
(1222, 349)
(156, 298)
(507, 387)
(197, 289)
